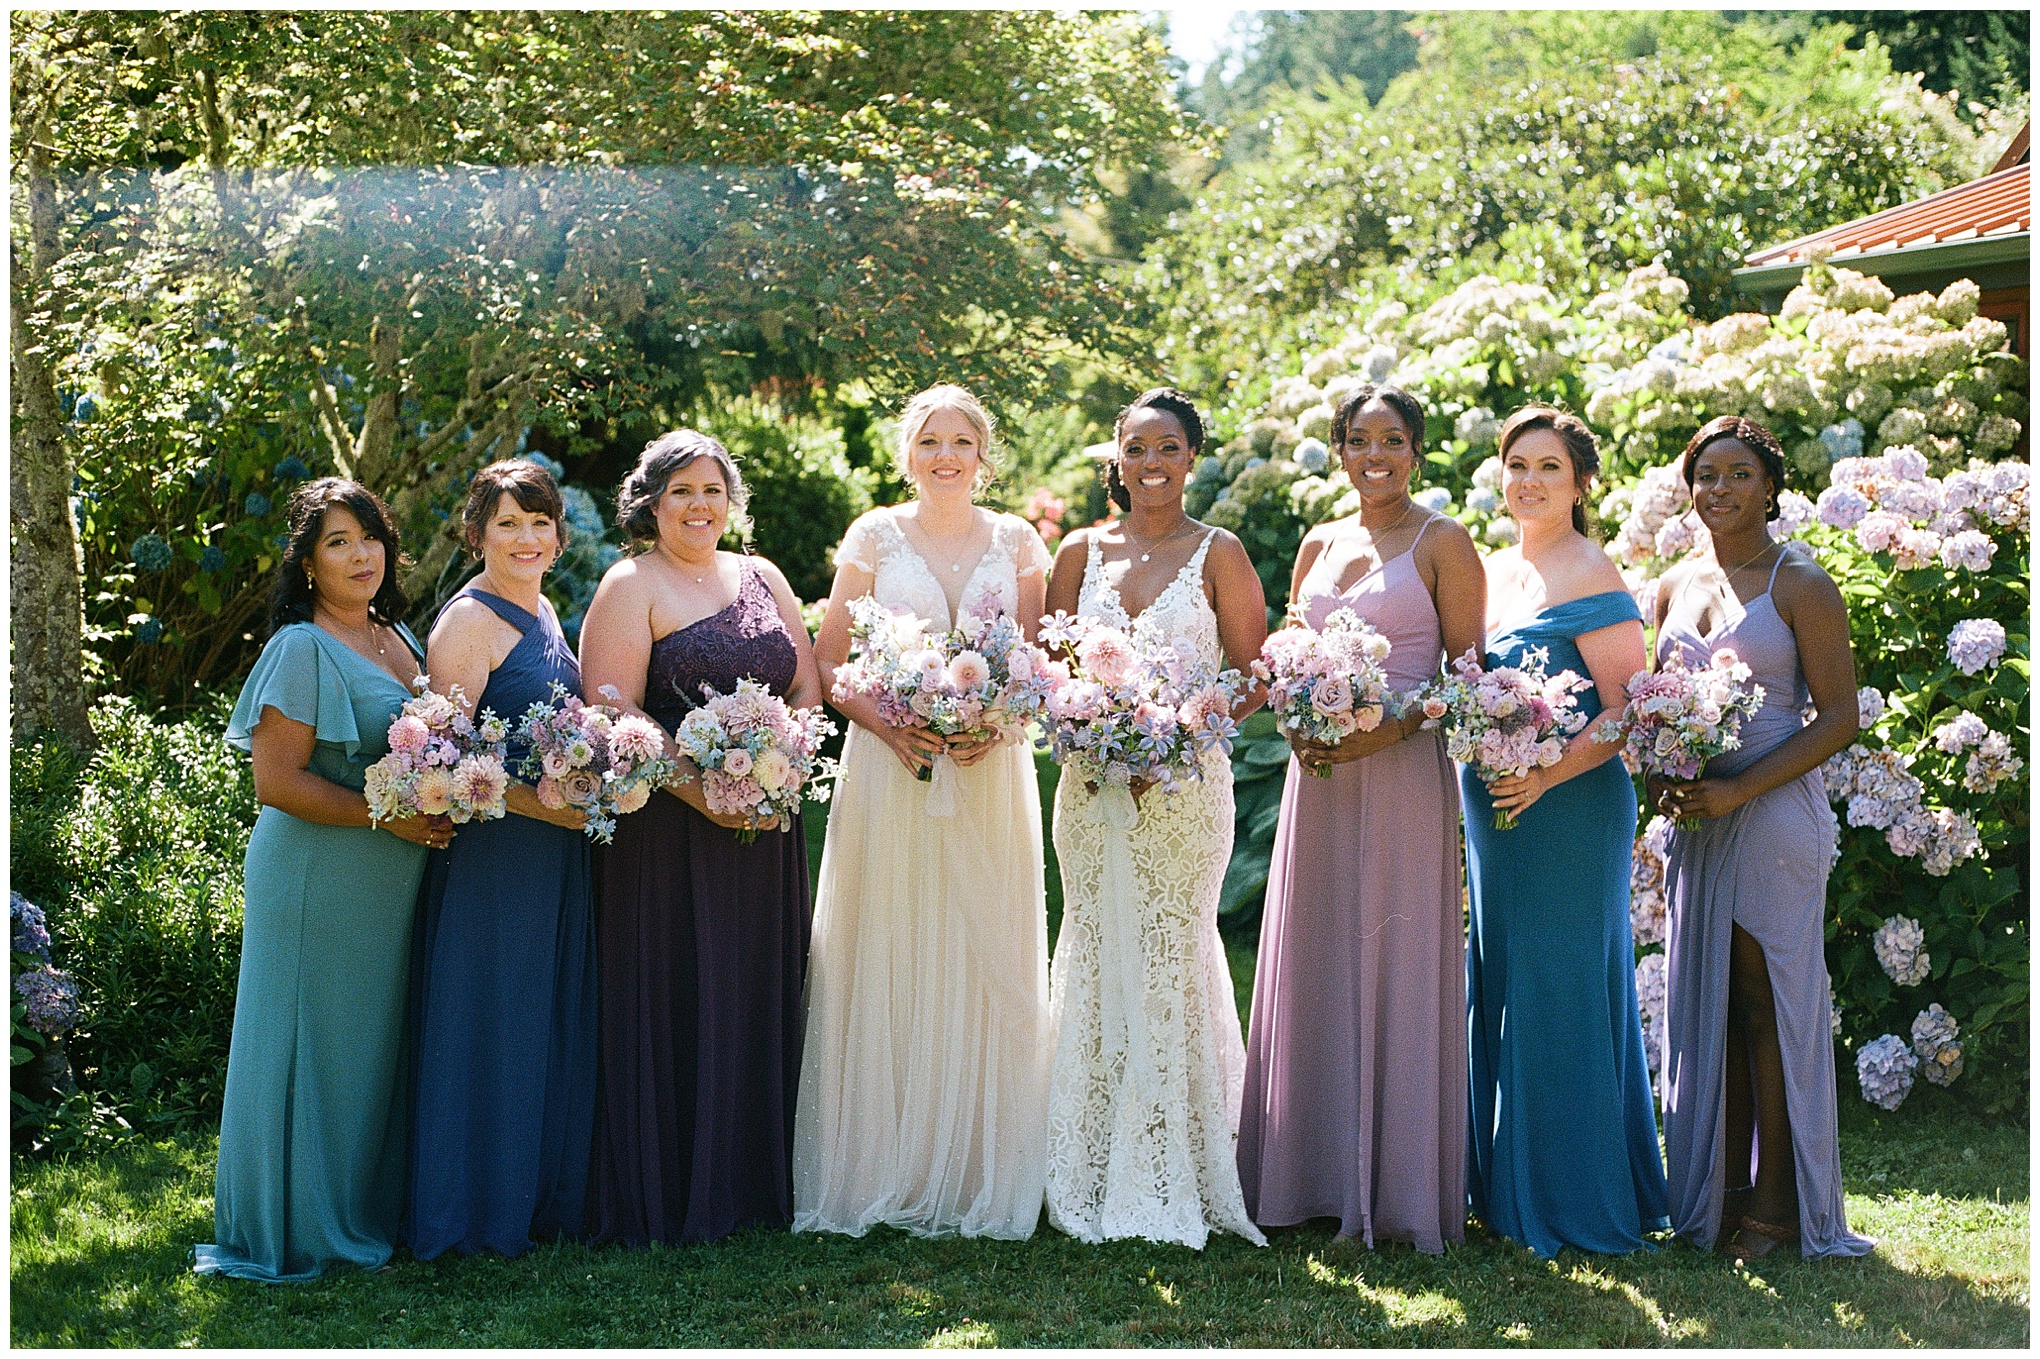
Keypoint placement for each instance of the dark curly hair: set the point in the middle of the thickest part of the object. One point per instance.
(1407, 409)
(290, 600)
(1760, 440)
(1580, 446)
(637, 502)
(530, 485)
(1165, 399)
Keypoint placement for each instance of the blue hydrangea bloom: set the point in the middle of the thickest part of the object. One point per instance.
(1433, 498)
(549, 464)
(151, 630)
(151, 553)
(1210, 472)
(292, 468)
(257, 504)
(85, 408)
(1844, 440)
(50, 999)
(31, 930)
(1312, 455)
(212, 559)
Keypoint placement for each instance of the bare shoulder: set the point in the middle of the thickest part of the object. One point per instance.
(463, 616)
(1801, 579)
(1442, 530)
(1227, 549)
(1597, 569)
(1321, 534)
(769, 569)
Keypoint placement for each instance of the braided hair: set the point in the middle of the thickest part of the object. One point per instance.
(1165, 399)
(1760, 440)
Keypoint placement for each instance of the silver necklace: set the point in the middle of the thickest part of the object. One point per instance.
(1131, 541)
(968, 534)
(347, 631)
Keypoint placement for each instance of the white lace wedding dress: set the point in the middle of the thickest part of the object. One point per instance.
(1144, 1102)
(924, 1076)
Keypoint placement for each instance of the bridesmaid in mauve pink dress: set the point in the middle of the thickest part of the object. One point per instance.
(1355, 1103)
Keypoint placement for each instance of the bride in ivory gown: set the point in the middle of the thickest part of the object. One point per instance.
(925, 1073)
(1144, 1102)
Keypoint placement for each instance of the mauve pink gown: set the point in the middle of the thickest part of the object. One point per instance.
(1355, 1102)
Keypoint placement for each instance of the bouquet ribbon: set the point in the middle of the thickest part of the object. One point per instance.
(1121, 960)
(942, 801)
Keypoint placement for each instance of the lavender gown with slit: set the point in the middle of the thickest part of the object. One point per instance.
(1355, 1103)
(1764, 867)
(703, 944)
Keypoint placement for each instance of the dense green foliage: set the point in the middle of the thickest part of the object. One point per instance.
(134, 853)
(101, 1247)
(1976, 53)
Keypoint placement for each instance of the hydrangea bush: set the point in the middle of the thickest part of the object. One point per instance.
(1903, 419)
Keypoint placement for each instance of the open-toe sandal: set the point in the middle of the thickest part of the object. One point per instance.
(1763, 1238)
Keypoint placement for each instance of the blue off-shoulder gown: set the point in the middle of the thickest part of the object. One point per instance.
(503, 1006)
(1562, 1140)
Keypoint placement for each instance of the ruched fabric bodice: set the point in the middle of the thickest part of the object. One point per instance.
(1760, 639)
(745, 639)
(1392, 599)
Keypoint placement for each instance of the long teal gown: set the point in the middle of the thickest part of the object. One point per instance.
(1562, 1140)
(311, 1168)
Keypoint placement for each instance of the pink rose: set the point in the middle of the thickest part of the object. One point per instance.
(1434, 707)
(549, 794)
(1332, 695)
(1368, 716)
(736, 762)
(555, 763)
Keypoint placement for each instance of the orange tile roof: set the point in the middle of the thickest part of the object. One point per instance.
(1996, 205)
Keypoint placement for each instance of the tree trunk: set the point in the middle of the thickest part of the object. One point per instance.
(46, 607)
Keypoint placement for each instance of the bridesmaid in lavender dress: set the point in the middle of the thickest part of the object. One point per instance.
(1749, 1090)
(702, 940)
(1355, 1103)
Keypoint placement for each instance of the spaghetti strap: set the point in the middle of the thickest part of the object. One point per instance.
(1774, 569)
(1422, 529)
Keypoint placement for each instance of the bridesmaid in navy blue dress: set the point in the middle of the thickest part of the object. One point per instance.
(503, 979)
(1563, 1147)
(703, 939)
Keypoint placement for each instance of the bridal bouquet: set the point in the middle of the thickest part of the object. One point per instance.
(1506, 721)
(757, 756)
(594, 758)
(1124, 712)
(975, 680)
(441, 762)
(1326, 683)
(1679, 719)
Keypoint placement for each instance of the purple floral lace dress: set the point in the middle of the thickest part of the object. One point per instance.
(702, 944)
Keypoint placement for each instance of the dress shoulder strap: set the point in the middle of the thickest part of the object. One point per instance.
(1195, 566)
(1774, 569)
(503, 609)
(1422, 529)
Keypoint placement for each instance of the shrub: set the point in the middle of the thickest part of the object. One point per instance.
(804, 492)
(135, 854)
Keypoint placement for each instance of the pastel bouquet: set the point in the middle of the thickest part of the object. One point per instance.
(1506, 721)
(592, 757)
(1326, 683)
(758, 757)
(1679, 718)
(441, 762)
(976, 680)
(1120, 711)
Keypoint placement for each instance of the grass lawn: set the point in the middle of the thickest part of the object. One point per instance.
(100, 1253)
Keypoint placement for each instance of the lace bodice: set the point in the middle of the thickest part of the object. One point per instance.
(902, 579)
(1180, 610)
(745, 639)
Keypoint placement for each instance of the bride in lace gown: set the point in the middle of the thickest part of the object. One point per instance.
(1144, 1102)
(925, 1074)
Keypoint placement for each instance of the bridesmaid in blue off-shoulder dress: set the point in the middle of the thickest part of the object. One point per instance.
(1562, 1145)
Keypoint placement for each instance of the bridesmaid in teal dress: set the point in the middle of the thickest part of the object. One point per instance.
(311, 1168)
(1562, 1140)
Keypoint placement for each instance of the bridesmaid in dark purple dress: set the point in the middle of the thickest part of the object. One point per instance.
(702, 940)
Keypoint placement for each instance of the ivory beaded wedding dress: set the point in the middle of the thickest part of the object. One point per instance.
(1144, 1102)
(924, 1078)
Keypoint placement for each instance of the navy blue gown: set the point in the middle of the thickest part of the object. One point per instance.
(1562, 1139)
(503, 1006)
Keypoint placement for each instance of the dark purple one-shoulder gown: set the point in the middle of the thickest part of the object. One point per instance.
(703, 948)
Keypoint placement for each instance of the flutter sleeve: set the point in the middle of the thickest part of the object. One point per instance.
(859, 547)
(1030, 554)
(296, 676)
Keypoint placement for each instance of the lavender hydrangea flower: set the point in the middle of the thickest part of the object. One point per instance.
(31, 930)
(1991, 764)
(1884, 1071)
(1834, 1011)
(1934, 1032)
(1975, 644)
(1795, 514)
(50, 998)
(1842, 507)
(1898, 943)
(1434, 498)
(1955, 736)
(1869, 706)
(1650, 1005)
(1954, 839)
(1967, 550)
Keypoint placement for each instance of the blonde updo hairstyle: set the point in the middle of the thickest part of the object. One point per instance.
(946, 396)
